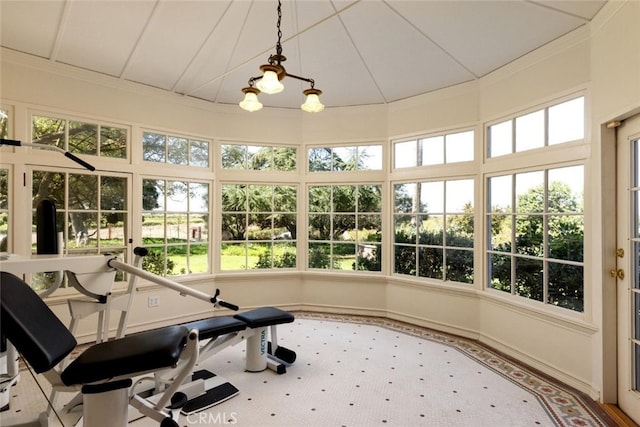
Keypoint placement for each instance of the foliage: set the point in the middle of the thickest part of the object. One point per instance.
(154, 263)
(319, 258)
(286, 260)
(565, 243)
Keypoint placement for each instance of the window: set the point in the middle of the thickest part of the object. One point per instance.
(80, 137)
(535, 221)
(345, 227)
(4, 187)
(434, 229)
(259, 226)
(560, 123)
(4, 210)
(348, 158)
(91, 212)
(434, 150)
(175, 150)
(4, 123)
(258, 157)
(175, 226)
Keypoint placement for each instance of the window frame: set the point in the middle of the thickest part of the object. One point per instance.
(418, 245)
(559, 155)
(247, 213)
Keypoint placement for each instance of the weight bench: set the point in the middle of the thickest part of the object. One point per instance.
(103, 373)
(207, 389)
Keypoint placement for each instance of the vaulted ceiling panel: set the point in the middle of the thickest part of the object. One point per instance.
(339, 69)
(162, 56)
(213, 61)
(31, 26)
(396, 53)
(358, 51)
(484, 36)
(582, 9)
(101, 36)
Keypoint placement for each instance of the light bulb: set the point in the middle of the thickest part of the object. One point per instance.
(269, 83)
(312, 104)
(250, 102)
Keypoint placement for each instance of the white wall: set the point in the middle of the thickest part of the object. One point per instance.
(601, 58)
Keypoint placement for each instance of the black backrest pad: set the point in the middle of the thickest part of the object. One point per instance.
(30, 325)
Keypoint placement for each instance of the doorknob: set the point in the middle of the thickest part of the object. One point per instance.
(617, 273)
(620, 253)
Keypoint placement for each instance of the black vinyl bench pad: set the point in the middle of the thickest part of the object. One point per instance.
(265, 316)
(215, 326)
(141, 352)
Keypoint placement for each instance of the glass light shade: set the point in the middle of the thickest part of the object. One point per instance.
(250, 102)
(269, 83)
(312, 104)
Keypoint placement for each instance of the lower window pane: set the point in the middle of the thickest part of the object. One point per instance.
(156, 262)
(636, 350)
(404, 260)
(177, 228)
(319, 227)
(233, 256)
(566, 237)
(430, 263)
(529, 278)
(284, 255)
(344, 256)
(113, 229)
(177, 255)
(152, 228)
(234, 226)
(260, 255)
(319, 255)
(566, 286)
(369, 257)
(405, 229)
(529, 235)
(4, 233)
(636, 310)
(199, 258)
(431, 229)
(459, 266)
(84, 230)
(500, 272)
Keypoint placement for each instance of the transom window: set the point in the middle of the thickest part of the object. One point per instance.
(258, 157)
(535, 221)
(434, 150)
(175, 150)
(557, 124)
(345, 158)
(345, 227)
(434, 229)
(80, 137)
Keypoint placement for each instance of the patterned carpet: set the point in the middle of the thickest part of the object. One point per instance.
(354, 371)
(565, 405)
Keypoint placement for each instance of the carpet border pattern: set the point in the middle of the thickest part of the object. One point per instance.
(566, 407)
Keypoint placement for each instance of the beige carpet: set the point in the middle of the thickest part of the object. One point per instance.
(357, 371)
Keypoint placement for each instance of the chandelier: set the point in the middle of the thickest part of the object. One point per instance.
(269, 81)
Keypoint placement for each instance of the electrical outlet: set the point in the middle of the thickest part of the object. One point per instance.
(153, 301)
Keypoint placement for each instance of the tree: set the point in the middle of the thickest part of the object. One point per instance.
(565, 239)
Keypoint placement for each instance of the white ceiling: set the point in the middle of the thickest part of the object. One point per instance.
(358, 51)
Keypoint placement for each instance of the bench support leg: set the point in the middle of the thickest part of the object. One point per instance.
(257, 351)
